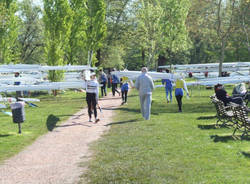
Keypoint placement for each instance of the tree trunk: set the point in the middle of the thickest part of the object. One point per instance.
(222, 56)
(90, 56)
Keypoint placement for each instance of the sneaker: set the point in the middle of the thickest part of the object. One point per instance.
(97, 120)
(180, 110)
(90, 120)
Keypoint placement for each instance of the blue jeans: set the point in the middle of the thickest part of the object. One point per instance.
(169, 90)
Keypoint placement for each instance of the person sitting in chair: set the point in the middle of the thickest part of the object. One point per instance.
(222, 95)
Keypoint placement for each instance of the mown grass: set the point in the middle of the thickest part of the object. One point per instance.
(170, 148)
(51, 111)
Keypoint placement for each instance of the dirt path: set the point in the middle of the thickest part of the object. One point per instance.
(55, 157)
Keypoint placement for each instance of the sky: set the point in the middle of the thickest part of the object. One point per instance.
(36, 2)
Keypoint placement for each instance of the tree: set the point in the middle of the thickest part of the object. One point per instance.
(77, 37)
(115, 57)
(224, 25)
(57, 22)
(31, 33)
(150, 16)
(201, 32)
(95, 27)
(162, 27)
(8, 31)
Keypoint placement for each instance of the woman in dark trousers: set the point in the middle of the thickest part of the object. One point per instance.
(103, 80)
(115, 82)
(92, 91)
(179, 86)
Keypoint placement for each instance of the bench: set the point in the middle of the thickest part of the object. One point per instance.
(223, 113)
(241, 118)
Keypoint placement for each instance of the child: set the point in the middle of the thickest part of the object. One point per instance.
(124, 89)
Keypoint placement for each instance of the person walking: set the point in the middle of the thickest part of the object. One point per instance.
(124, 90)
(145, 85)
(103, 80)
(92, 92)
(168, 88)
(179, 86)
(114, 83)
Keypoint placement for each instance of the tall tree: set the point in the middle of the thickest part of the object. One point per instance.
(77, 37)
(150, 16)
(162, 27)
(96, 27)
(57, 22)
(31, 32)
(8, 31)
(224, 25)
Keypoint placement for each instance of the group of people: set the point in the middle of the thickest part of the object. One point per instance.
(145, 85)
(92, 91)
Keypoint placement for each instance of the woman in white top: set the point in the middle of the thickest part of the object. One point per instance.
(92, 92)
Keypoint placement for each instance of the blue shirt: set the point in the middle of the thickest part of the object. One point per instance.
(115, 79)
(103, 77)
(168, 83)
(125, 87)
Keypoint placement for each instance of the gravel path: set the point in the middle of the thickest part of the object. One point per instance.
(55, 157)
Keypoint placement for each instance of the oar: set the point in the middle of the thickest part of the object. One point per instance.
(7, 113)
(30, 104)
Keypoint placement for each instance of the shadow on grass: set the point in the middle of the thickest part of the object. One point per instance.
(206, 117)
(207, 127)
(153, 112)
(51, 122)
(212, 126)
(217, 138)
(187, 108)
(246, 154)
(4, 135)
(122, 122)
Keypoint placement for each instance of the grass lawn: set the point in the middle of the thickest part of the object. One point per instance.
(51, 111)
(170, 148)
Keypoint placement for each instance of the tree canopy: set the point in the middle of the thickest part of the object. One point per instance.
(124, 33)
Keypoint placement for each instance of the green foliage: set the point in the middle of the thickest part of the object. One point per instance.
(77, 38)
(95, 26)
(115, 58)
(31, 39)
(161, 26)
(57, 22)
(8, 32)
